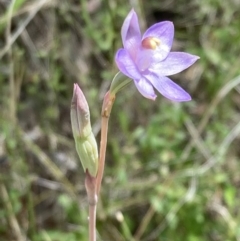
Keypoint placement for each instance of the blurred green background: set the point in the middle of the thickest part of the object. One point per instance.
(172, 169)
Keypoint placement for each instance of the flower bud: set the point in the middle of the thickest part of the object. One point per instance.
(85, 141)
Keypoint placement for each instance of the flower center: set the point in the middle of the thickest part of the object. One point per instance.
(150, 43)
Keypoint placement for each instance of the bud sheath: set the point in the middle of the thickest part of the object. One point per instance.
(85, 141)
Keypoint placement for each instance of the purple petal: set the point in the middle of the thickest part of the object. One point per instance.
(144, 59)
(174, 63)
(126, 64)
(168, 88)
(164, 32)
(131, 35)
(145, 88)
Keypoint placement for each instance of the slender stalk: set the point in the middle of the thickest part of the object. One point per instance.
(90, 184)
(92, 222)
(93, 184)
(102, 153)
(106, 110)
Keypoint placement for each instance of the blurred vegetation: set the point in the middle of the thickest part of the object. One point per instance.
(172, 169)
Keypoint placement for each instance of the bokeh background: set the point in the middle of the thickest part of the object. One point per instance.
(172, 169)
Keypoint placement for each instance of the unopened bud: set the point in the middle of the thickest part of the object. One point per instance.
(85, 141)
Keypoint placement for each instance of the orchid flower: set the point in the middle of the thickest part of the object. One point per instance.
(147, 59)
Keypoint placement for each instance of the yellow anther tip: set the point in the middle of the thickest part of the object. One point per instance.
(150, 43)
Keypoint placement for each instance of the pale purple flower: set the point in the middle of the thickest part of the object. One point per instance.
(147, 59)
